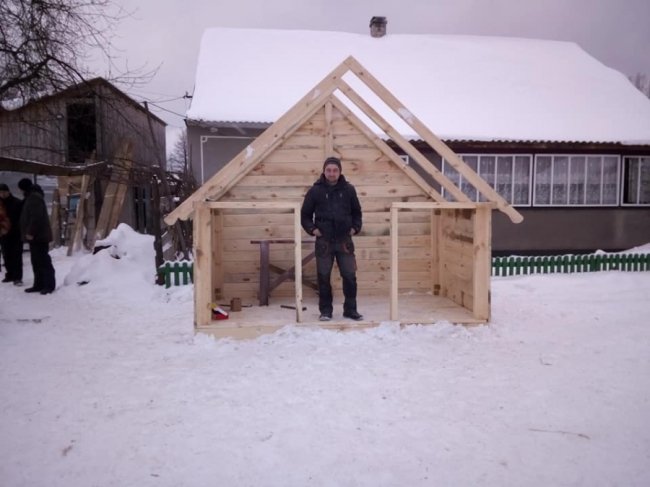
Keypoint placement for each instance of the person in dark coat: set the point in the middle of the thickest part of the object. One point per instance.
(331, 211)
(36, 231)
(10, 240)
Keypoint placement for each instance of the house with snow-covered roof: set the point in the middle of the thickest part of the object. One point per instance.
(563, 138)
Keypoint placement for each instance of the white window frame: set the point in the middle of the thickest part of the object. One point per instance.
(623, 182)
(568, 182)
(496, 171)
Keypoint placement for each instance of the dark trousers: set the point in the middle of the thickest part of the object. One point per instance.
(343, 252)
(12, 253)
(44, 276)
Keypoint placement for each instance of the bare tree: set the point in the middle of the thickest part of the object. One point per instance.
(178, 160)
(642, 82)
(43, 44)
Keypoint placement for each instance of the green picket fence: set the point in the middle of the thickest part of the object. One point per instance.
(181, 273)
(548, 264)
(177, 273)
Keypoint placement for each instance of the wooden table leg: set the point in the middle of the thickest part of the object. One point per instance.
(264, 274)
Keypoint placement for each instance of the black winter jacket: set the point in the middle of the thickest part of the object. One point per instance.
(34, 219)
(13, 206)
(332, 208)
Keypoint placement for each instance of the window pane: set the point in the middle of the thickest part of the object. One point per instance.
(465, 186)
(522, 180)
(504, 177)
(644, 188)
(610, 180)
(453, 175)
(543, 180)
(594, 178)
(632, 172)
(577, 180)
(486, 171)
(641, 174)
(560, 180)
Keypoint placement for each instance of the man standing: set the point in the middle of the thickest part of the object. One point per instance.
(331, 211)
(10, 241)
(36, 231)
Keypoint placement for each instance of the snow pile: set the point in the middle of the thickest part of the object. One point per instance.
(127, 261)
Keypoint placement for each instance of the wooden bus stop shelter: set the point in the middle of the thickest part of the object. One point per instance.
(420, 257)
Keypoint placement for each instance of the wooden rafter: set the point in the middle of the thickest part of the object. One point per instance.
(385, 148)
(277, 133)
(429, 137)
(401, 141)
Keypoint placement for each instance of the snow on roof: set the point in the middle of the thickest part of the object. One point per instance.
(461, 87)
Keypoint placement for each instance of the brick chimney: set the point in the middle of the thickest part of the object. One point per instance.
(378, 26)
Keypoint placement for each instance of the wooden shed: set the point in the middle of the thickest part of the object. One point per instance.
(420, 257)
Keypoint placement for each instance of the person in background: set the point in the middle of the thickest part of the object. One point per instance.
(331, 211)
(10, 241)
(36, 231)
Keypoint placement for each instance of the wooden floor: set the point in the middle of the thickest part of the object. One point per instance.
(256, 320)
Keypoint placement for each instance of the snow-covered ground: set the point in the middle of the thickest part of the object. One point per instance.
(105, 384)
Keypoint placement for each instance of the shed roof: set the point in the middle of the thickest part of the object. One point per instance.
(461, 87)
(89, 86)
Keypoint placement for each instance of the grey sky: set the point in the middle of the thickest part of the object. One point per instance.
(168, 32)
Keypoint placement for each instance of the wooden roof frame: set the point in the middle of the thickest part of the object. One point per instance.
(324, 95)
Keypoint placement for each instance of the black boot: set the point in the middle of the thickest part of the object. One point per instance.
(353, 315)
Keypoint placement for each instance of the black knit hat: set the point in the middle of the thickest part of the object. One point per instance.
(25, 184)
(333, 160)
(4, 187)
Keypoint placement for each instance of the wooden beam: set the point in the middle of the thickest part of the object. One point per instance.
(42, 168)
(216, 247)
(447, 205)
(387, 150)
(401, 141)
(115, 192)
(277, 133)
(202, 265)
(435, 252)
(482, 263)
(297, 236)
(329, 136)
(261, 205)
(430, 138)
(75, 241)
(394, 262)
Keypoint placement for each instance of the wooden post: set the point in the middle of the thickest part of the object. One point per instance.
(329, 136)
(75, 241)
(482, 262)
(297, 235)
(55, 218)
(157, 240)
(394, 262)
(217, 254)
(435, 252)
(202, 265)
(264, 273)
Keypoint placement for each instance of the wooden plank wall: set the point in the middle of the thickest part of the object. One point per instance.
(37, 132)
(287, 174)
(456, 256)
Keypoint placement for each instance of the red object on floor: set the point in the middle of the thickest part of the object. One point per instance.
(219, 313)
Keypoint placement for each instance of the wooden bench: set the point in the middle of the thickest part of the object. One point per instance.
(266, 285)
